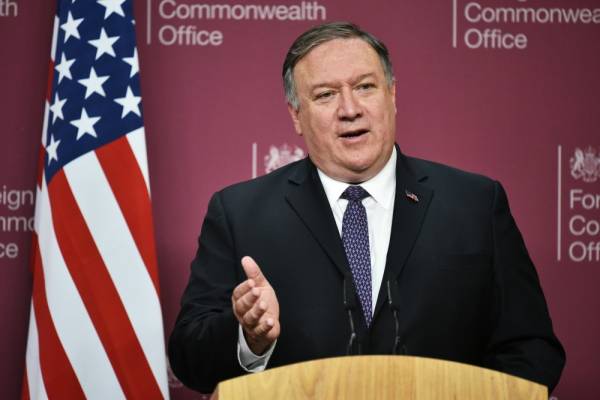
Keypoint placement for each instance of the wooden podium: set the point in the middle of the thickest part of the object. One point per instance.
(380, 377)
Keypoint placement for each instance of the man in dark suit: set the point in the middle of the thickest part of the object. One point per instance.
(358, 248)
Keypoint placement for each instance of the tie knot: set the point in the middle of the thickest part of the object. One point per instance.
(355, 193)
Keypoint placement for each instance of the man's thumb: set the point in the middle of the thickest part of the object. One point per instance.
(252, 270)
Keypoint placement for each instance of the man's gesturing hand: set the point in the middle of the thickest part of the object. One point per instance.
(256, 308)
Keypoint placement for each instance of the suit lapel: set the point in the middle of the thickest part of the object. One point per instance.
(307, 198)
(409, 215)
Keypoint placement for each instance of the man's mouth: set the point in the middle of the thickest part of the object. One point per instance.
(354, 133)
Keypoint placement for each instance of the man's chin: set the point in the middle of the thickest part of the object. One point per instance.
(358, 172)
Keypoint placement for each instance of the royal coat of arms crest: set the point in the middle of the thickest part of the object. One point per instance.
(585, 165)
(282, 155)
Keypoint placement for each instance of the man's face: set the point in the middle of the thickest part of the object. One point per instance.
(347, 111)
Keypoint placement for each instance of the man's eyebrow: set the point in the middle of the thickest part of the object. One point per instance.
(322, 85)
(331, 84)
(363, 77)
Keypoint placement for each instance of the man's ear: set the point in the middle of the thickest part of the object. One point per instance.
(294, 114)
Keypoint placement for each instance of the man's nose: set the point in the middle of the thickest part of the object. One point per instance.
(349, 107)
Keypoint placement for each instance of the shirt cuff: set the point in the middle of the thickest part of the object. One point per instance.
(249, 361)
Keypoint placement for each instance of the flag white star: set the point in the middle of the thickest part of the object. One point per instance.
(104, 44)
(64, 68)
(130, 103)
(133, 61)
(70, 27)
(112, 6)
(85, 124)
(93, 84)
(56, 108)
(52, 149)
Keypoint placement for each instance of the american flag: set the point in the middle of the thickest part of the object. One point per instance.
(95, 328)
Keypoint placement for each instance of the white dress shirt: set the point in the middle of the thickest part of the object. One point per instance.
(380, 208)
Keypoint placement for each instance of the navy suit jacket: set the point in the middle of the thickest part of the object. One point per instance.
(462, 281)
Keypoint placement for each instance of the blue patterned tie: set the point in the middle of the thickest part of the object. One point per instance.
(355, 236)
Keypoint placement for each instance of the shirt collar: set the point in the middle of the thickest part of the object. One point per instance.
(381, 187)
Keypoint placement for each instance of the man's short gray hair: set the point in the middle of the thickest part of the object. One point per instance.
(319, 35)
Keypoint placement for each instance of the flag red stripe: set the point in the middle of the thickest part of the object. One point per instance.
(40, 166)
(50, 79)
(60, 380)
(25, 387)
(99, 294)
(129, 187)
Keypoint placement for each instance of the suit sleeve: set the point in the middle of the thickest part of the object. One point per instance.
(203, 345)
(522, 342)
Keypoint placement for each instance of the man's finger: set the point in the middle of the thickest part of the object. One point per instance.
(243, 288)
(252, 317)
(247, 301)
(252, 270)
(263, 327)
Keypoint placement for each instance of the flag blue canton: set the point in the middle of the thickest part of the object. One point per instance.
(95, 95)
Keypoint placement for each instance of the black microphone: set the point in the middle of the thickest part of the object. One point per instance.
(394, 307)
(350, 305)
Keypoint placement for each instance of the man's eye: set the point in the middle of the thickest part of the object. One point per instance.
(324, 95)
(366, 86)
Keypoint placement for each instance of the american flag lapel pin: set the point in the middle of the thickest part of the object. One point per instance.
(412, 196)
